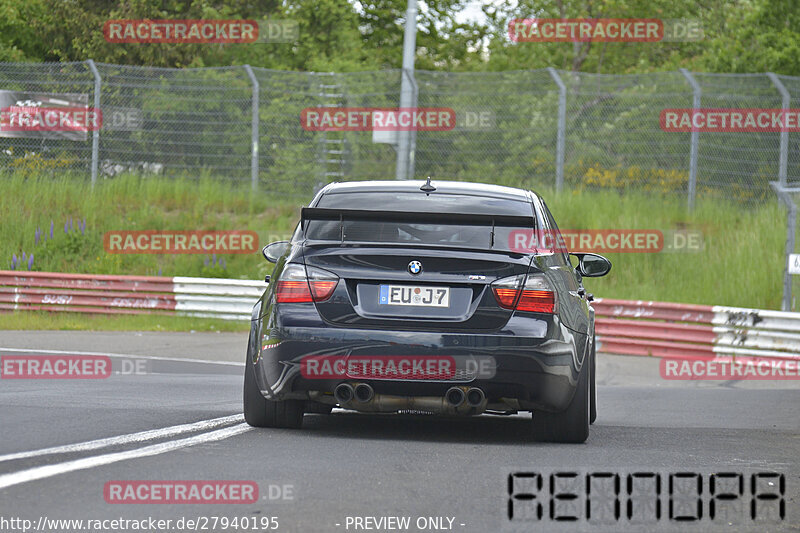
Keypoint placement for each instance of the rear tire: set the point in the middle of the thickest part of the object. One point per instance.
(593, 391)
(262, 413)
(572, 424)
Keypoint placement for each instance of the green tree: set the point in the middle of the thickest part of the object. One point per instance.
(19, 41)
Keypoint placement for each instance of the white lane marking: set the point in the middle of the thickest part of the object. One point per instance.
(127, 439)
(130, 356)
(41, 472)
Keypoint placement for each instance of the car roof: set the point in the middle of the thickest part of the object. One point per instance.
(442, 187)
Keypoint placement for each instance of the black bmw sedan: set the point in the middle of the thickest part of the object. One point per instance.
(444, 298)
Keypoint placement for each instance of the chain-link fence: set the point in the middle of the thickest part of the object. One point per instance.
(536, 128)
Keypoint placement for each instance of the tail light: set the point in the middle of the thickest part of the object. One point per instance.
(297, 286)
(530, 293)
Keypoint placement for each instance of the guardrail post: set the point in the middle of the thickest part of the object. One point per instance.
(562, 126)
(96, 133)
(254, 128)
(784, 154)
(790, 240)
(696, 92)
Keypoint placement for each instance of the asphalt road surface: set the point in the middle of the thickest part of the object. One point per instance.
(170, 410)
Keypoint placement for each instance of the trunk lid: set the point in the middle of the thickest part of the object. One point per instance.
(378, 289)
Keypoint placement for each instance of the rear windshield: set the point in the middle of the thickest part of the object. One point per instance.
(418, 202)
(477, 236)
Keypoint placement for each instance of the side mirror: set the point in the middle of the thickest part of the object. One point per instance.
(273, 251)
(592, 265)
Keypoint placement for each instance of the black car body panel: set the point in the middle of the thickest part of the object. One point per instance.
(536, 356)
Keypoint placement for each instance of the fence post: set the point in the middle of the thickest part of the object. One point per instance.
(96, 133)
(412, 148)
(784, 154)
(408, 94)
(697, 91)
(254, 129)
(562, 126)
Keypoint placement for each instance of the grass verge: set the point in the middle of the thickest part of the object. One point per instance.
(741, 263)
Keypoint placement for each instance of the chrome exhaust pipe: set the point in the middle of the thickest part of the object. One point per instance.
(454, 396)
(475, 397)
(363, 392)
(343, 393)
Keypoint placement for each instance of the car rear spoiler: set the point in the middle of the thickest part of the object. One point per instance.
(321, 213)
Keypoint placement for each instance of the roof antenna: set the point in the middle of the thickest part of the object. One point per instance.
(427, 188)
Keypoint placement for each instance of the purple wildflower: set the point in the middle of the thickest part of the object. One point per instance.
(213, 259)
(66, 227)
(159, 271)
(51, 229)
(82, 225)
(23, 257)
(36, 236)
(13, 261)
(30, 262)
(206, 261)
(222, 263)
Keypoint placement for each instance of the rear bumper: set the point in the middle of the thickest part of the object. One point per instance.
(531, 372)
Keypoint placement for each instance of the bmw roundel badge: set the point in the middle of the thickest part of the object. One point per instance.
(415, 267)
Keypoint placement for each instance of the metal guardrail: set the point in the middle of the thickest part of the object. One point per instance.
(658, 329)
(663, 329)
(228, 299)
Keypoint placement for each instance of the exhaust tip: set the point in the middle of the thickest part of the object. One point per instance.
(475, 397)
(343, 393)
(364, 392)
(454, 396)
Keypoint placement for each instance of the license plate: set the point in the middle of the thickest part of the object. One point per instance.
(413, 295)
